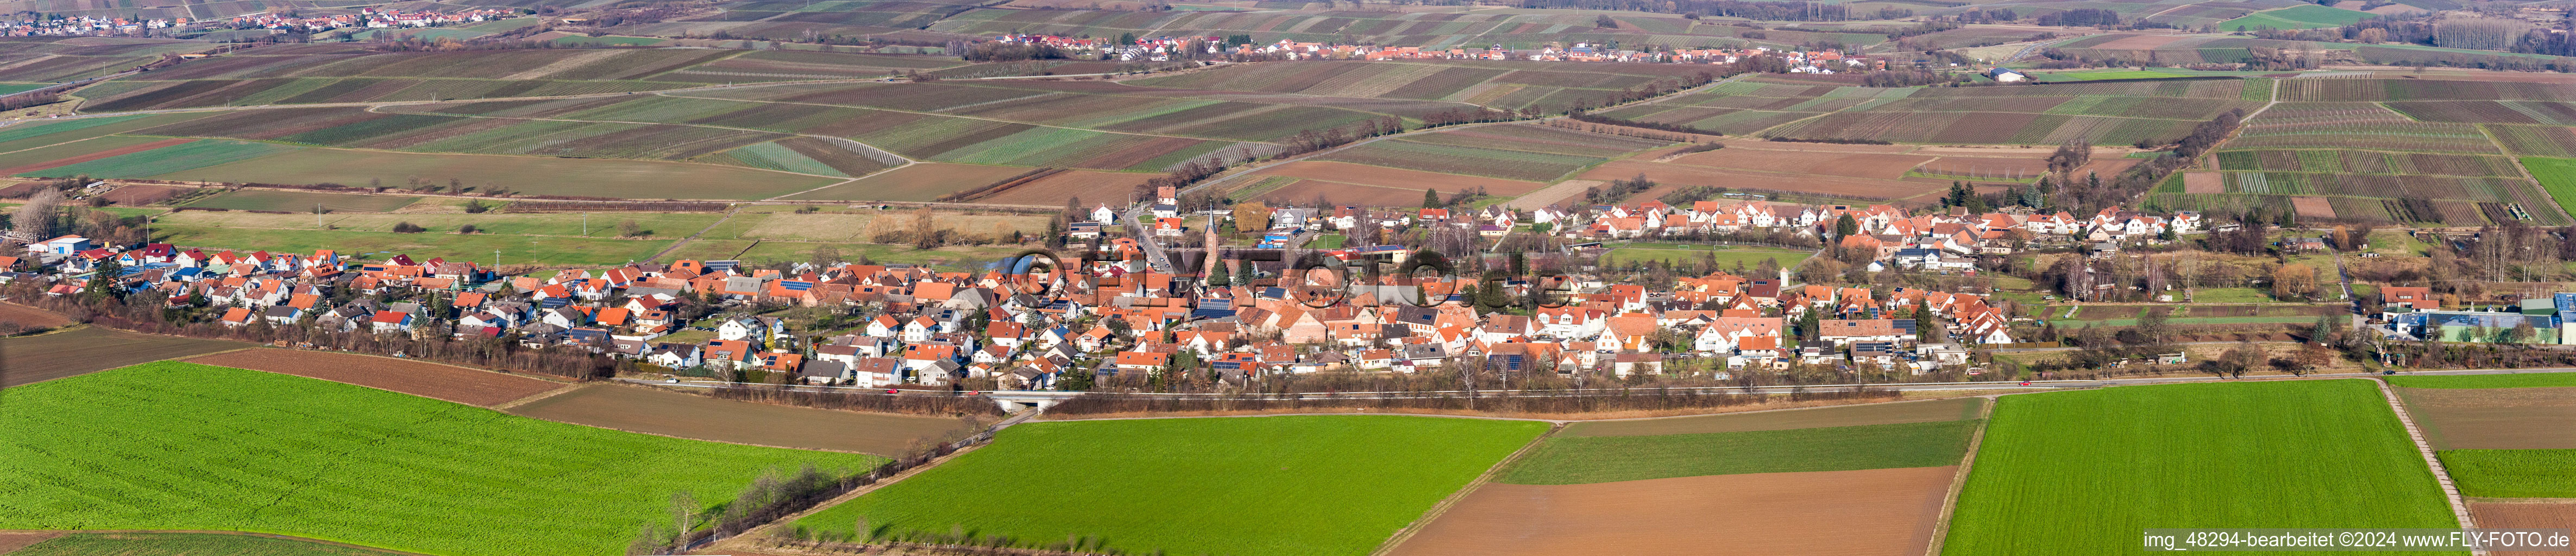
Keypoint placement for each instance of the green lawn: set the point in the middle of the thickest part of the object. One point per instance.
(183, 446)
(1565, 460)
(2303, 16)
(2558, 175)
(1726, 256)
(1327, 241)
(2516, 380)
(1255, 486)
(186, 544)
(2512, 473)
(2083, 472)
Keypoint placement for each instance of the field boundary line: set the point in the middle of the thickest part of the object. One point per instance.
(565, 389)
(1959, 482)
(1442, 507)
(2441, 476)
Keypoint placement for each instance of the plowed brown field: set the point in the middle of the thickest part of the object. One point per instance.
(1415, 180)
(31, 317)
(646, 410)
(921, 181)
(2524, 515)
(2313, 207)
(1951, 409)
(1839, 186)
(1857, 165)
(1844, 513)
(31, 359)
(2204, 182)
(1053, 190)
(409, 376)
(2494, 418)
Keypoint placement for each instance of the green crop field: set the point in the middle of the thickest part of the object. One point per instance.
(186, 544)
(174, 158)
(2304, 16)
(303, 201)
(2556, 175)
(2512, 473)
(1259, 486)
(437, 242)
(539, 175)
(183, 446)
(1566, 460)
(2317, 453)
(2516, 380)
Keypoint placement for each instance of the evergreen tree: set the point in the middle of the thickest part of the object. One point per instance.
(1845, 226)
(102, 281)
(1430, 198)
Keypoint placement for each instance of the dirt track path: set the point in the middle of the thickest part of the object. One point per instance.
(2450, 492)
(675, 246)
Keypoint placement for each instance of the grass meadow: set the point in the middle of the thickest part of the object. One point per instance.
(2557, 176)
(2512, 473)
(2082, 472)
(2515, 380)
(186, 544)
(183, 446)
(512, 249)
(1566, 460)
(303, 201)
(1257, 486)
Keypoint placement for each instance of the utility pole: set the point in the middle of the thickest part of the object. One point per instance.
(585, 224)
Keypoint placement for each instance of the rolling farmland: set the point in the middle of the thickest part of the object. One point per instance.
(2332, 452)
(1332, 484)
(229, 449)
(2294, 17)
